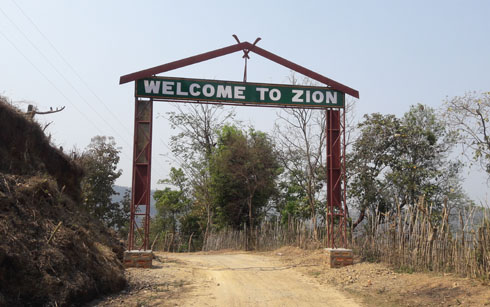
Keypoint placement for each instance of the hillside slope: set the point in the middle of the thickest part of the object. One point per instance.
(39, 190)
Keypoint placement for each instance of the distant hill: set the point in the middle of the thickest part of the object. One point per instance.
(120, 190)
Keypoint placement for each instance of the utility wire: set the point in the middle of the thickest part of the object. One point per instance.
(50, 82)
(70, 66)
(63, 76)
(66, 79)
(58, 89)
(78, 75)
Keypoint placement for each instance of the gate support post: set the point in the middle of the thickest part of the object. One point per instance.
(140, 193)
(336, 192)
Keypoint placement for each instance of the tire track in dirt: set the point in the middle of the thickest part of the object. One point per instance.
(246, 279)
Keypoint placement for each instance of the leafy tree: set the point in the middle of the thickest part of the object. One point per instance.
(422, 165)
(171, 204)
(372, 152)
(292, 200)
(100, 161)
(301, 139)
(122, 216)
(468, 116)
(400, 160)
(193, 146)
(177, 211)
(243, 173)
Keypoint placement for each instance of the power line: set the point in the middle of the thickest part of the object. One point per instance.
(76, 73)
(69, 65)
(66, 79)
(53, 84)
(59, 90)
(50, 82)
(62, 75)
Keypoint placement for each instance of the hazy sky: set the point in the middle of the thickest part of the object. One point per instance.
(72, 53)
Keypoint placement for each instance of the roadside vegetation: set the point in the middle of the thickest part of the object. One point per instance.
(235, 187)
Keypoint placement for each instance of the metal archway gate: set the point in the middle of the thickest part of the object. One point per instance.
(149, 88)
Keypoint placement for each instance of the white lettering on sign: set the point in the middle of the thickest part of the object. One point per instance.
(193, 91)
(262, 91)
(152, 87)
(179, 90)
(239, 92)
(317, 97)
(167, 88)
(332, 97)
(208, 90)
(224, 91)
(275, 94)
(297, 96)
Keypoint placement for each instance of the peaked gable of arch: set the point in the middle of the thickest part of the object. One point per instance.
(231, 49)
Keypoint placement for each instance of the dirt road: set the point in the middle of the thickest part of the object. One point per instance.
(288, 276)
(230, 279)
(257, 280)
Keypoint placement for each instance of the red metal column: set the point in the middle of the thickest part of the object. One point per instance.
(344, 181)
(336, 220)
(140, 196)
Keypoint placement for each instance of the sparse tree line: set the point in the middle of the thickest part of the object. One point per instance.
(229, 178)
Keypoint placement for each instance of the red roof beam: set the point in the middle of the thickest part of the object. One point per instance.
(305, 71)
(182, 63)
(231, 49)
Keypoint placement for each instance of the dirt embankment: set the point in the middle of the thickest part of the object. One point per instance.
(42, 263)
(26, 150)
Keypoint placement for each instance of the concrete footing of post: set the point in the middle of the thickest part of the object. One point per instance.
(138, 259)
(339, 257)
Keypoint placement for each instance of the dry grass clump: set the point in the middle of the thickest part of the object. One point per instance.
(415, 239)
(42, 263)
(269, 235)
(421, 239)
(25, 150)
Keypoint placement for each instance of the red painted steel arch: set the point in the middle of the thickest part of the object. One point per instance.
(335, 164)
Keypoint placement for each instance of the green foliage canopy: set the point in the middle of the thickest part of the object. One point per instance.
(99, 162)
(397, 160)
(243, 174)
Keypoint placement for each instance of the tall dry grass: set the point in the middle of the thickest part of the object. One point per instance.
(269, 235)
(420, 239)
(414, 239)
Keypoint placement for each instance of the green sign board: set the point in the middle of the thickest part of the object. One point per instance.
(167, 88)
